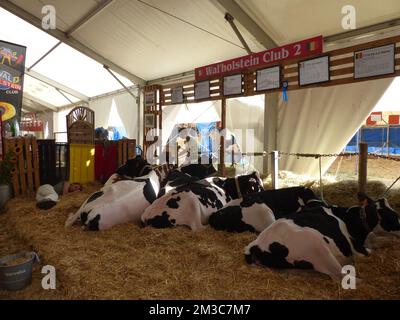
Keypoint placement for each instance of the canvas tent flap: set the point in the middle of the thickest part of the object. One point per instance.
(322, 121)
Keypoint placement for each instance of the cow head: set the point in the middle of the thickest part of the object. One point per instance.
(380, 216)
(241, 185)
(135, 167)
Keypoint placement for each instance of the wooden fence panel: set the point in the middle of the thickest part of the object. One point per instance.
(25, 175)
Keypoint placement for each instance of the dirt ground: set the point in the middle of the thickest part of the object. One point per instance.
(129, 262)
(378, 169)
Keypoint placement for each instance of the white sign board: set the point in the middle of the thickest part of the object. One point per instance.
(149, 120)
(233, 85)
(314, 71)
(177, 95)
(202, 90)
(150, 99)
(374, 62)
(269, 78)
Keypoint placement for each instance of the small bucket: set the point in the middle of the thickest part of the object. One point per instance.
(17, 277)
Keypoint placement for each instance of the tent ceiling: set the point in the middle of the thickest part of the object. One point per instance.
(152, 44)
(291, 20)
(46, 93)
(138, 37)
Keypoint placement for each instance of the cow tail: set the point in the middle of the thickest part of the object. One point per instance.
(73, 217)
(248, 255)
(71, 220)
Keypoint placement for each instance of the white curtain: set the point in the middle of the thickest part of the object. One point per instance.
(112, 110)
(60, 125)
(323, 120)
(245, 118)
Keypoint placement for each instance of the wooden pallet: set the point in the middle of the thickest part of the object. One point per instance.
(25, 179)
(126, 149)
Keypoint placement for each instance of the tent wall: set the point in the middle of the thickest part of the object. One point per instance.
(60, 125)
(126, 107)
(245, 118)
(104, 107)
(323, 120)
(47, 118)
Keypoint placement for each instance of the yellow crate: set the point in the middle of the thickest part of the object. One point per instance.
(81, 164)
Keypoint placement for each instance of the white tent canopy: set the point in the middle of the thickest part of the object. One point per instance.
(65, 65)
(135, 34)
(144, 41)
(390, 101)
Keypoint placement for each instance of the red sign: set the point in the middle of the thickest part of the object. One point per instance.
(299, 49)
(31, 124)
(394, 119)
(374, 118)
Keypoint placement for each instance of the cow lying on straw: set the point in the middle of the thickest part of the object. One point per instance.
(190, 204)
(136, 185)
(323, 238)
(255, 212)
(119, 201)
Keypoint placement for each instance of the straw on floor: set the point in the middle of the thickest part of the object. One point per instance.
(129, 262)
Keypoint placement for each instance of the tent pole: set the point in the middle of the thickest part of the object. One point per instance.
(230, 18)
(120, 82)
(275, 169)
(45, 55)
(64, 95)
(221, 168)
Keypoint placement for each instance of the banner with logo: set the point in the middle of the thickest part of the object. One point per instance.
(12, 68)
(300, 49)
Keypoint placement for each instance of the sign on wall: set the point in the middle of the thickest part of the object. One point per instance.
(233, 85)
(314, 71)
(202, 90)
(150, 98)
(269, 78)
(149, 121)
(374, 62)
(177, 95)
(301, 49)
(12, 69)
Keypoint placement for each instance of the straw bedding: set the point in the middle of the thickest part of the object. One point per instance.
(128, 262)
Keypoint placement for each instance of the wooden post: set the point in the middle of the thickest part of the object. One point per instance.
(275, 169)
(362, 166)
(221, 168)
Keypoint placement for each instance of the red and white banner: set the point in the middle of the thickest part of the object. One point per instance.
(301, 49)
(374, 118)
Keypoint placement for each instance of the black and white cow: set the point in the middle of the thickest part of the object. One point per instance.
(139, 167)
(323, 239)
(120, 201)
(256, 211)
(190, 204)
